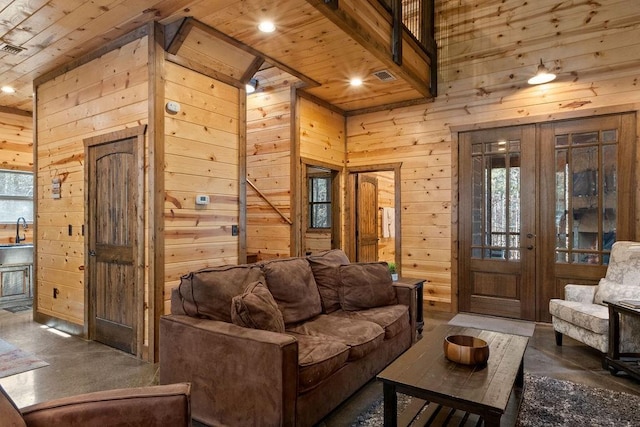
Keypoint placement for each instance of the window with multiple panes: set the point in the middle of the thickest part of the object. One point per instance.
(16, 196)
(320, 202)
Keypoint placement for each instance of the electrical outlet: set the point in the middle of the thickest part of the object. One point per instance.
(234, 230)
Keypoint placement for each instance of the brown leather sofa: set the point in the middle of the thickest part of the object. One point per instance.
(153, 406)
(283, 342)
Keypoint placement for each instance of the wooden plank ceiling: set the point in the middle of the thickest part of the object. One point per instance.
(309, 42)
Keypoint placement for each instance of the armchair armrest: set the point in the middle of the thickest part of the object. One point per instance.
(580, 293)
(158, 406)
(236, 373)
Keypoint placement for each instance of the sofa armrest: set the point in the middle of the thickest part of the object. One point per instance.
(167, 405)
(407, 294)
(580, 293)
(236, 373)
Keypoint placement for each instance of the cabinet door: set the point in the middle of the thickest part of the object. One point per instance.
(15, 282)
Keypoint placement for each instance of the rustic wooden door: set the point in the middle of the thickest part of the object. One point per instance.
(497, 222)
(366, 218)
(113, 233)
(587, 199)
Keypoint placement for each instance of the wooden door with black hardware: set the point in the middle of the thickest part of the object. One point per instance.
(114, 282)
(367, 218)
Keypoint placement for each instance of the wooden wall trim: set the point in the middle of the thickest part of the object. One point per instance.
(115, 44)
(203, 69)
(242, 176)
(387, 107)
(16, 111)
(60, 324)
(568, 115)
(296, 185)
(309, 97)
(156, 254)
(38, 317)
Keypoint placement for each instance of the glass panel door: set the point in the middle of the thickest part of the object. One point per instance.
(586, 196)
(497, 201)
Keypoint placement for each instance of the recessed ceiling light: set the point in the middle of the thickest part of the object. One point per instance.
(8, 89)
(267, 27)
(356, 81)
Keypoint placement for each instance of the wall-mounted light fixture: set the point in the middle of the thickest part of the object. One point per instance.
(251, 86)
(542, 75)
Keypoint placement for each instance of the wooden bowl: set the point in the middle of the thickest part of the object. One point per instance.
(466, 349)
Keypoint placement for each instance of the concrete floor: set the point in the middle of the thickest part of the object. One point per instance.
(78, 366)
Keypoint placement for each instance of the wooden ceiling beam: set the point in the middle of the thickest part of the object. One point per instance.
(355, 29)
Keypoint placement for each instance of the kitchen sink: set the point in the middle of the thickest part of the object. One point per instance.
(12, 254)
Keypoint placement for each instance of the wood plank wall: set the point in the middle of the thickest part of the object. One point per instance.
(322, 143)
(487, 51)
(16, 153)
(269, 165)
(101, 96)
(201, 158)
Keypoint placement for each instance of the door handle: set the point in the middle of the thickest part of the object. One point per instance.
(530, 247)
(92, 253)
(531, 235)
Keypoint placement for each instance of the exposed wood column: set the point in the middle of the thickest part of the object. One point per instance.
(155, 215)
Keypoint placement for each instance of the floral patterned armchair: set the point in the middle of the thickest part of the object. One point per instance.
(583, 314)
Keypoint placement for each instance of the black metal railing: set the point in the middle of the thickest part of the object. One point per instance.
(417, 17)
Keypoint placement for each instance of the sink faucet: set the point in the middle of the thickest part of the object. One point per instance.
(24, 237)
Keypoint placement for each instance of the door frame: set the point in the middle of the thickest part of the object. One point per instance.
(532, 120)
(336, 200)
(138, 135)
(350, 207)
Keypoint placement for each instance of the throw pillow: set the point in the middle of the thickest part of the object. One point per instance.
(208, 292)
(293, 287)
(257, 309)
(366, 285)
(325, 266)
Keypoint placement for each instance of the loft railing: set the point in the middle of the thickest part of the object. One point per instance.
(417, 17)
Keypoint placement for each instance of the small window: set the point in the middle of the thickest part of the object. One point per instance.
(16, 196)
(320, 202)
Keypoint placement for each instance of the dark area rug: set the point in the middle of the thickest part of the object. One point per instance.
(550, 402)
(18, 308)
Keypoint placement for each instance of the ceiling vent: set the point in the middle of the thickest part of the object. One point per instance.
(384, 76)
(9, 48)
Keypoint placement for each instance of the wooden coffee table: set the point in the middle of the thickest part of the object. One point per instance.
(424, 372)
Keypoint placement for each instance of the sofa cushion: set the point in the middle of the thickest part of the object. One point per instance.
(256, 309)
(366, 285)
(325, 266)
(318, 358)
(392, 318)
(612, 291)
(293, 287)
(208, 292)
(594, 317)
(360, 336)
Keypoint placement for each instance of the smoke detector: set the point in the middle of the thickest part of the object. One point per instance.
(384, 76)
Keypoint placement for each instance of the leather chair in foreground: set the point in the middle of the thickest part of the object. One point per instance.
(153, 406)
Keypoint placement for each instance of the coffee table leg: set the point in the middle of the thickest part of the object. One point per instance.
(390, 405)
(520, 376)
